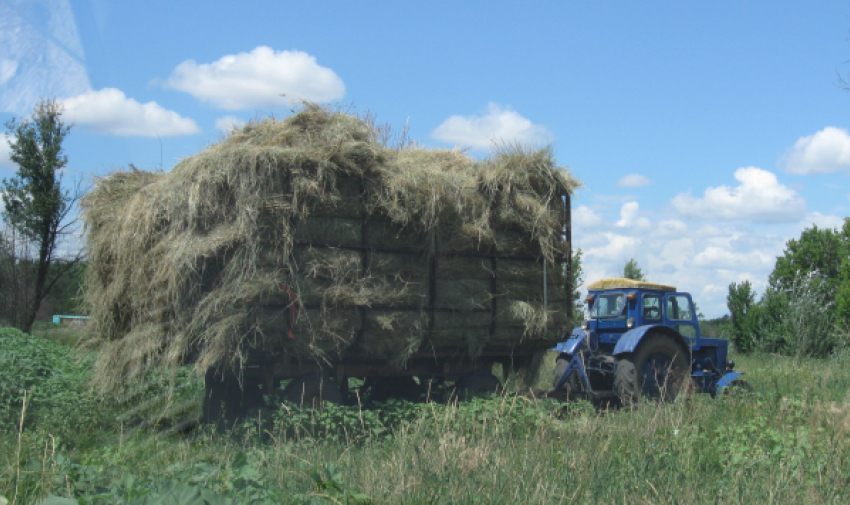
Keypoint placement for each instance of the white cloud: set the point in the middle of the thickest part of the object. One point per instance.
(628, 213)
(110, 112)
(260, 78)
(227, 124)
(671, 228)
(633, 181)
(629, 217)
(823, 220)
(824, 152)
(759, 197)
(618, 247)
(498, 125)
(721, 258)
(584, 217)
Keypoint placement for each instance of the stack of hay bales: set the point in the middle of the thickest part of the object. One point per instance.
(383, 252)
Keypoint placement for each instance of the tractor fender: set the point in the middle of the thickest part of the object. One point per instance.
(573, 343)
(632, 338)
(727, 379)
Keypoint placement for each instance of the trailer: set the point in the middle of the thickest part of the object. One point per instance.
(459, 364)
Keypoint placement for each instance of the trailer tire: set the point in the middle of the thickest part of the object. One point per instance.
(398, 388)
(226, 400)
(478, 383)
(311, 390)
(656, 371)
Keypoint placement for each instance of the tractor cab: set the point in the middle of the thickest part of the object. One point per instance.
(615, 306)
(640, 339)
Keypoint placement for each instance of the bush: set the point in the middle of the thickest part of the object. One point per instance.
(53, 377)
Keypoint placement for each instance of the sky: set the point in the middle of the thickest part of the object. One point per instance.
(706, 134)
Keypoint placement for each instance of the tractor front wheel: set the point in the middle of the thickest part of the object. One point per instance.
(657, 371)
(571, 385)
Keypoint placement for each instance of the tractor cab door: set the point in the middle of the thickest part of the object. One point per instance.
(680, 315)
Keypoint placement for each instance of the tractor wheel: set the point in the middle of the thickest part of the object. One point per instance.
(311, 390)
(478, 383)
(401, 388)
(561, 364)
(226, 400)
(656, 371)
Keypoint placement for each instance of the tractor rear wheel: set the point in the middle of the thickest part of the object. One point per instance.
(656, 371)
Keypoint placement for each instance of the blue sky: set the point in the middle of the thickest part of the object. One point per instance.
(707, 134)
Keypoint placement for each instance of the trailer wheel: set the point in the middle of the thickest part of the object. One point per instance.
(226, 400)
(311, 390)
(401, 388)
(478, 383)
(656, 371)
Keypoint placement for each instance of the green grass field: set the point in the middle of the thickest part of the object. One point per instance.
(787, 443)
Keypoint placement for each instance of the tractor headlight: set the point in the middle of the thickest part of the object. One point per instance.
(585, 325)
(630, 323)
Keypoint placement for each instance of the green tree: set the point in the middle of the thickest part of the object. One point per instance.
(818, 250)
(842, 297)
(36, 204)
(632, 271)
(741, 303)
(575, 281)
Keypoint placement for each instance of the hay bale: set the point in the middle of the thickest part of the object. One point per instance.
(201, 264)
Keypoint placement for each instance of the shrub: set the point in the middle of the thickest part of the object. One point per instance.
(799, 321)
(55, 379)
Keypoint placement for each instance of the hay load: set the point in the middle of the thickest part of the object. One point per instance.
(308, 238)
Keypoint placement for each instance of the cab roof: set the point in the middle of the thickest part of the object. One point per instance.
(623, 283)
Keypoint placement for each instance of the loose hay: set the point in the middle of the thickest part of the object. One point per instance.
(201, 264)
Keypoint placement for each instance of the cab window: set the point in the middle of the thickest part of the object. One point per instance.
(679, 308)
(651, 307)
(610, 305)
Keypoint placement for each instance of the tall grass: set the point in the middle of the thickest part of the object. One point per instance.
(788, 442)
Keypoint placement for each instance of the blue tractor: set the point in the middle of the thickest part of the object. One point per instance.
(640, 340)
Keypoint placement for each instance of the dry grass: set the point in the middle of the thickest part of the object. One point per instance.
(185, 264)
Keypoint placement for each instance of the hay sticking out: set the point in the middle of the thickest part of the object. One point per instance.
(202, 264)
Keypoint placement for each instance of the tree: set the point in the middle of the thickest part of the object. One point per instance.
(818, 250)
(36, 204)
(575, 282)
(741, 303)
(632, 271)
(842, 297)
